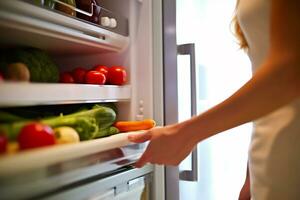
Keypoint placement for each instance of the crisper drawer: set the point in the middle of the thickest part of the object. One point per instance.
(134, 184)
(35, 174)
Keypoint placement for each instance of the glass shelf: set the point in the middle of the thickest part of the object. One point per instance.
(25, 24)
(29, 94)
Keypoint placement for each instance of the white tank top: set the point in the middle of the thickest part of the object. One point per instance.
(274, 154)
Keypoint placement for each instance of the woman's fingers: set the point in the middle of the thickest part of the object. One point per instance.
(143, 160)
(139, 137)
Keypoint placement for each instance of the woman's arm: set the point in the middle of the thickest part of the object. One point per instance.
(245, 191)
(275, 84)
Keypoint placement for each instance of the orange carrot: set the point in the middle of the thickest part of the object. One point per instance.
(125, 126)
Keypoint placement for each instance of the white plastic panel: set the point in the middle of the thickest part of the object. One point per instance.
(141, 59)
(24, 94)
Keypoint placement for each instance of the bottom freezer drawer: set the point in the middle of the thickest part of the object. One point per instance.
(134, 194)
(134, 184)
(137, 193)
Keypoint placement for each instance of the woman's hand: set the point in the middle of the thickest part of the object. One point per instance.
(168, 145)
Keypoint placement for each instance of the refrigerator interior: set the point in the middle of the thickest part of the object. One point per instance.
(74, 43)
(69, 51)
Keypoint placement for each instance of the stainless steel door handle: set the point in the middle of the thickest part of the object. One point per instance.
(189, 49)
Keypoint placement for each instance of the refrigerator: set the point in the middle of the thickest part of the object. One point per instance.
(168, 80)
(94, 169)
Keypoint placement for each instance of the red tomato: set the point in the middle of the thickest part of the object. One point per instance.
(95, 77)
(35, 135)
(3, 143)
(103, 69)
(79, 74)
(66, 77)
(117, 75)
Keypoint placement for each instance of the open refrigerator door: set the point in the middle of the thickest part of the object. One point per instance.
(76, 34)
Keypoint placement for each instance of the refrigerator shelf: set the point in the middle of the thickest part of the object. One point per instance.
(30, 94)
(47, 157)
(24, 24)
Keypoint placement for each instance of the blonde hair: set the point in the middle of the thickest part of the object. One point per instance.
(237, 31)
